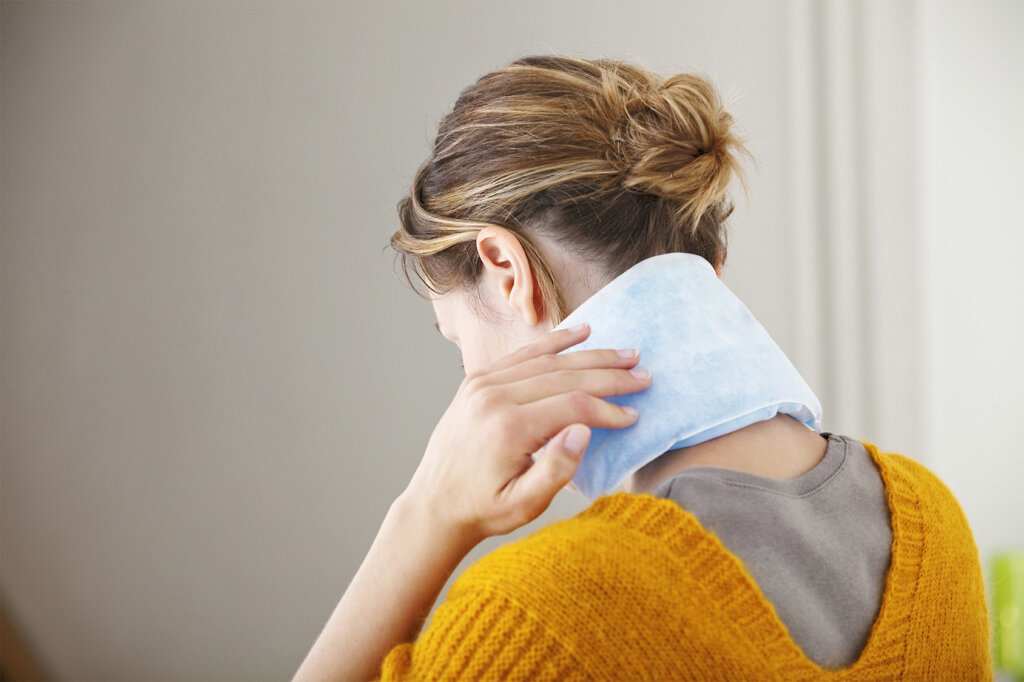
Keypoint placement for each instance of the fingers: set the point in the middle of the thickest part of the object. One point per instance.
(555, 465)
(596, 382)
(534, 422)
(555, 342)
(549, 362)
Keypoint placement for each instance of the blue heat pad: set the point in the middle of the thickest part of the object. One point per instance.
(715, 368)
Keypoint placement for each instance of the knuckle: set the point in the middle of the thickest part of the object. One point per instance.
(473, 382)
(510, 425)
(558, 474)
(526, 511)
(581, 403)
(520, 515)
(485, 399)
(557, 377)
(547, 362)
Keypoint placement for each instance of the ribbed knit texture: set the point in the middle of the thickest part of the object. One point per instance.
(633, 588)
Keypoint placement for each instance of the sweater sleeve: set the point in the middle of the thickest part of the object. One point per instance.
(482, 634)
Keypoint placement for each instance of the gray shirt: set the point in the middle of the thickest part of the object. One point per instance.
(818, 545)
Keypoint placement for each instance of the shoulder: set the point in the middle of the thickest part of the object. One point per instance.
(543, 593)
(935, 563)
(619, 546)
(918, 494)
(903, 474)
(900, 467)
(561, 602)
(614, 526)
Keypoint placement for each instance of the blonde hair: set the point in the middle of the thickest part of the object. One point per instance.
(610, 160)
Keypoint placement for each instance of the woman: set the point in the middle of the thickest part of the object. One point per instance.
(771, 552)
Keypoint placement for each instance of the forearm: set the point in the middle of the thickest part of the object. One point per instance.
(389, 597)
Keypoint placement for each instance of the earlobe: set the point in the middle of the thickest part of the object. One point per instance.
(507, 270)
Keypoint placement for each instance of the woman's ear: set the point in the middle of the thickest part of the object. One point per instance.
(507, 273)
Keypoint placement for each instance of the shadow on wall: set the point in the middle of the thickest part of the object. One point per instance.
(17, 658)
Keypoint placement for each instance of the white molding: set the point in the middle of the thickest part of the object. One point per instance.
(805, 283)
(841, 248)
(893, 258)
(854, 221)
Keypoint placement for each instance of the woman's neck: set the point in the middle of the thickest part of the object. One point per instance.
(780, 447)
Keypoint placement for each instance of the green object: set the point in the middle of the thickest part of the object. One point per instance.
(1008, 611)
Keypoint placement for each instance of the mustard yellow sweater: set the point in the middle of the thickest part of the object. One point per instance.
(633, 588)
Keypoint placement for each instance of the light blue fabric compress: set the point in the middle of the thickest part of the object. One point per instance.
(715, 368)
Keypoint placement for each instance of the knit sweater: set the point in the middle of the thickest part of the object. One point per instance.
(633, 588)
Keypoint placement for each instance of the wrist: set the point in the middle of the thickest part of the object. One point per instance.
(424, 522)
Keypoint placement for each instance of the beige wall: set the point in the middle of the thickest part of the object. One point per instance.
(213, 385)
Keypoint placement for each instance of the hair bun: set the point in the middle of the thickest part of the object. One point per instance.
(676, 140)
(614, 162)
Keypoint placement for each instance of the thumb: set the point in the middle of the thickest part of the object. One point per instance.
(554, 466)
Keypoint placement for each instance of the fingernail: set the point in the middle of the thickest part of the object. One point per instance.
(574, 439)
(641, 374)
(628, 353)
(630, 410)
(578, 328)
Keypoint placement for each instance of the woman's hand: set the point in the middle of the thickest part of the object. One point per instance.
(477, 477)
